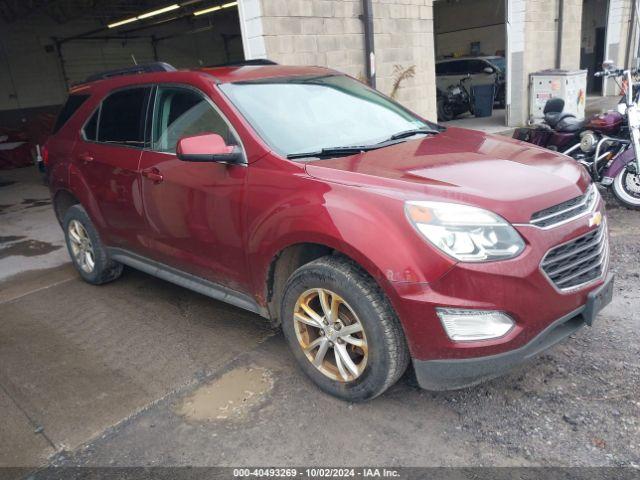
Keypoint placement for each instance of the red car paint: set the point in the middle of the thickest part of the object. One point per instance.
(227, 223)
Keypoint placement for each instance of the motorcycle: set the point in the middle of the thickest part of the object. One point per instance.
(562, 131)
(605, 144)
(615, 161)
(458, 99)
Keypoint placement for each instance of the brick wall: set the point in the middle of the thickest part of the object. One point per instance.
(330, 33)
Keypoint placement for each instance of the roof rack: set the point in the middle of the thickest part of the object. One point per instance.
(241, 63)
(134, 70)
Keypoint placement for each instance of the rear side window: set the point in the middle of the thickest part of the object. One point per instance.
(122, 117)
(72, 104)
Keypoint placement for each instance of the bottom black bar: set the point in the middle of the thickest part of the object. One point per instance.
(312, 473)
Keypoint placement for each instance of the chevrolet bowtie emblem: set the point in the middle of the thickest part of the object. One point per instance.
(595, 219)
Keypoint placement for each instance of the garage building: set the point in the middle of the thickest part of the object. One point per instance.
(48, 45)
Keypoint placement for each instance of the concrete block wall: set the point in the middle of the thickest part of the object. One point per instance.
(618, 24)
(330, 33)
(404, 36)
(533, 30)
(571, 35)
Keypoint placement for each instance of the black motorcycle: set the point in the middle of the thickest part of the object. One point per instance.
(458, 99)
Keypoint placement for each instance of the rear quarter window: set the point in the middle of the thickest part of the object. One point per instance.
(71, 106)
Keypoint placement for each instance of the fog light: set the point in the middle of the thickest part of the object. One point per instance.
(468, 325)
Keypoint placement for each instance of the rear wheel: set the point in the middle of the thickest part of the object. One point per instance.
(626, 188)
(86, 250)
(342, 330)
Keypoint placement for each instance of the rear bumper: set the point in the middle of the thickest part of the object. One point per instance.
(451, 374)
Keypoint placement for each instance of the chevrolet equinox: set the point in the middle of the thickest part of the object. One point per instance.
(373, 237)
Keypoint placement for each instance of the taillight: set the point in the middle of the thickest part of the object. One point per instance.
(44, 152)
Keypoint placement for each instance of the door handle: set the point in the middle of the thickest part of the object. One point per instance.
(152, 174)
(85, 157)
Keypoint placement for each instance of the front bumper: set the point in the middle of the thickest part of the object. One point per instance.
(460, 373)
(543, 314)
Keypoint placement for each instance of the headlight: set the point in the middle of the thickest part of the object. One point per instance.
(466, 233)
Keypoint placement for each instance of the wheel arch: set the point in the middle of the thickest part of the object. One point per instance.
(63, 199)
(292, 256)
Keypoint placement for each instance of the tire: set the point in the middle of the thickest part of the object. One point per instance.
(83, 243)
(628, 197)
(448, 112)
(378, 351)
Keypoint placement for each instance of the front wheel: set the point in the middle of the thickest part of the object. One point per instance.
(626, 188)
(445, 111)
(342, 330)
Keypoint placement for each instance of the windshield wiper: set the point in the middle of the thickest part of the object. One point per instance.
(333, 151)
(352, 150)
(412, 132)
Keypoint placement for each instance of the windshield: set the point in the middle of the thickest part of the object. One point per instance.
(306, 114)
(499, 62)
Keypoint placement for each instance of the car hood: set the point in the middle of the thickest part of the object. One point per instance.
(511, 178)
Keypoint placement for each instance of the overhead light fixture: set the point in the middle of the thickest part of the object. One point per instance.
(122, 22)
(153, 13)
(215, 9)
(142, 16)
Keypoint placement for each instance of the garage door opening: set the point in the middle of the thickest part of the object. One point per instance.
(202, 34)
(47, 47)
(470, 44)
(592, 47)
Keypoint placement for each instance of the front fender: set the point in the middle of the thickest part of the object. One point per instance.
(367, 226)
(620, 162)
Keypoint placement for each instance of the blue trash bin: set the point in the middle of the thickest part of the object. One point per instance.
(483, 96)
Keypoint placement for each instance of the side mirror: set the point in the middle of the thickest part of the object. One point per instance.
(489, 70)
(607, 65)
(208, 147)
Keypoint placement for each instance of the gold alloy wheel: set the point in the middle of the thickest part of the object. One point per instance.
(81, 246)
(323, 321)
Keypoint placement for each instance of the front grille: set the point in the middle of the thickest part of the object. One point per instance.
(579, 261)
(565, 211)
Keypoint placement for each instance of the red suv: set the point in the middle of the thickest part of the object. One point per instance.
(371, 235)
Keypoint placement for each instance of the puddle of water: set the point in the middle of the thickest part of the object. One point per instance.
(10, 238)
(229, 397)
(28, 248)
(36, 202)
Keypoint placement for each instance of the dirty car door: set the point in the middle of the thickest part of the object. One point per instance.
(193, 209)
(107, 157)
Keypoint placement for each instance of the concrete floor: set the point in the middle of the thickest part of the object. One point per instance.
(493, 124)
(141, 372)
